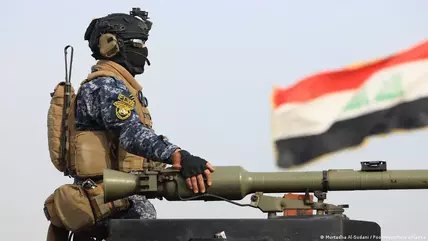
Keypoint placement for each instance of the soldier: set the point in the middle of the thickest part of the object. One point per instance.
(109, 115)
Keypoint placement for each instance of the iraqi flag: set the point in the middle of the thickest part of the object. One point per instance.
(334, 110)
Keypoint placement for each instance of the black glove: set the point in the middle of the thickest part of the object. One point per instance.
(191, 165)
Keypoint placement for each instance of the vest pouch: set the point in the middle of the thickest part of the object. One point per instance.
(91, 153)
(129, 162)
(103, 210)
(50, 212)
(73, 208)
(54, 123)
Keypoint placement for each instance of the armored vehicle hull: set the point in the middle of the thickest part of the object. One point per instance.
(281, 228)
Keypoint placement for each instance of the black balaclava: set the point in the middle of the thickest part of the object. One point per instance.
(131, 31)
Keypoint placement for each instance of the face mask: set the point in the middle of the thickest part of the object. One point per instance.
(136, 56)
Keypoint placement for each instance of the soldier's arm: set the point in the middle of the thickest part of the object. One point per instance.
(134, 137)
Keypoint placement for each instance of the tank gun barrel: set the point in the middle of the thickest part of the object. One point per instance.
(235, 183)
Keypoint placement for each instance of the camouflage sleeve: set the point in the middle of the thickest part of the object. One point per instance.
(116, 115)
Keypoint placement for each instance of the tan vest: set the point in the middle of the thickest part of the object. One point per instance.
(90, 152)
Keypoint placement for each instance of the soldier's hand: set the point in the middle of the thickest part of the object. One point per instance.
(193, 168)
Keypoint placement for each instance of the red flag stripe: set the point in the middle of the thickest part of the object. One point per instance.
(344, 79)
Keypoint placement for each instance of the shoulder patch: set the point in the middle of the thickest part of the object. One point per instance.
(124, 106)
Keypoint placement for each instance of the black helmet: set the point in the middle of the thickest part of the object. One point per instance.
(130, 31)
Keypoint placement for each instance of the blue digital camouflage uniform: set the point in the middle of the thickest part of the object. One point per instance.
(95, 111)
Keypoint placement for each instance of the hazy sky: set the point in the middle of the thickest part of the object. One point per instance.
(213, 67)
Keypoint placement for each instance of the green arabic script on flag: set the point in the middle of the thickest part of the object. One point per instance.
(392, 88)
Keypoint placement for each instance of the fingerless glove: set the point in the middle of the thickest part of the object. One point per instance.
(191, 165)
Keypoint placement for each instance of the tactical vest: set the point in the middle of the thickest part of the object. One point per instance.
(90, 152)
